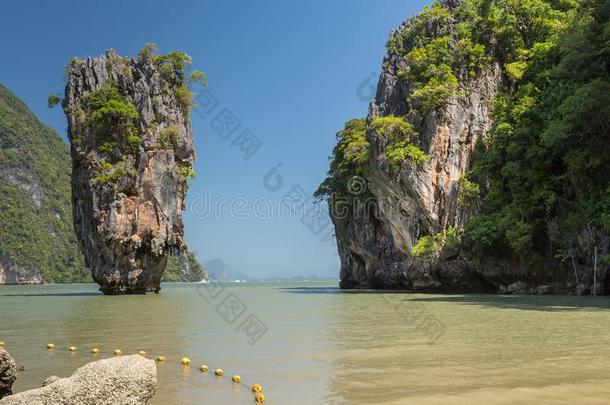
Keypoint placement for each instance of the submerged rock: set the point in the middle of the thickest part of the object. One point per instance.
(132, 153)
(126, 380)
(8, 373)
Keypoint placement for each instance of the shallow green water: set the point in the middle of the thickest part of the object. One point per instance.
(323, 345)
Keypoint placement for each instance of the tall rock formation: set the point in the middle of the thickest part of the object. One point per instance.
(433, 103)
(132, 153)
(478, 167)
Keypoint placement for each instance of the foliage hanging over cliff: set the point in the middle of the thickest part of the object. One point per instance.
(36, 230)
(399, 135)
(350, 158)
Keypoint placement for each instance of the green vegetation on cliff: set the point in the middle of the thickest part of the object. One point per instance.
(543, 168)
(539, 184)
(350, 158)
(439, 54)
(190, 271)
(176, 71)
(540, 174)
(399, 135)
(36, 230)
(114, 121)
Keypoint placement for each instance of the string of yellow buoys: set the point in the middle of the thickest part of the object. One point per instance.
(256, 389)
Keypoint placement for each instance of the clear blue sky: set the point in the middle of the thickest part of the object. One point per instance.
(288, 70)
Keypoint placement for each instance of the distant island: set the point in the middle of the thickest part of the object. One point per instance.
(218, 270)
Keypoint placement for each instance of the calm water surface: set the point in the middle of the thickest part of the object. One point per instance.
(324, 346)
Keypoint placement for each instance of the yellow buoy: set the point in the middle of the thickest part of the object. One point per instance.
(185, 361)
(259, 397)
(50, 346)
(2, 344)
(161, 359)
(236, 378)
(72, 348)
(95, 350)
(142, 353)
(118, 352)
(257, 388)
(219, 372)
(203, 368)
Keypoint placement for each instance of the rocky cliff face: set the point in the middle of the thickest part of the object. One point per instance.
(411, 201)
(452, 196)
(132, 152)
(11, 273)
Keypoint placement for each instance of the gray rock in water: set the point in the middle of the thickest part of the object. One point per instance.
(8, 373)
(126, 380)
(518, 288)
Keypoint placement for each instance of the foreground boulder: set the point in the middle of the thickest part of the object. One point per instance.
(8, 371)
(132, 153)
(126, 380)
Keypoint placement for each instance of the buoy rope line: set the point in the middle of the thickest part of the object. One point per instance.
(256, 389)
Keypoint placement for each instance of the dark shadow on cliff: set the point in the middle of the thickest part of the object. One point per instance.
(548, 303)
